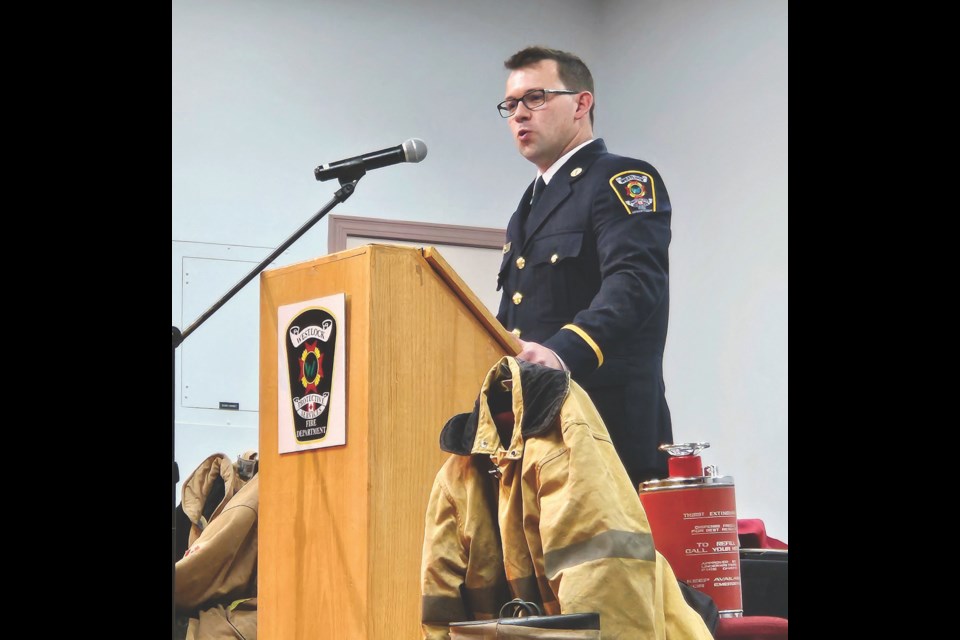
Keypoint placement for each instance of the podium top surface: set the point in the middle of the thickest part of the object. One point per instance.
(432, 257)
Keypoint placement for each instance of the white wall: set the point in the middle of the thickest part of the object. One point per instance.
(265, 91)
(699, 88)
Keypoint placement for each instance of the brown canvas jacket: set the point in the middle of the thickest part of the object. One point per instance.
(220, 566)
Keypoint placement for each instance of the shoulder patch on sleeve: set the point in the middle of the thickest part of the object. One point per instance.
(636, 191)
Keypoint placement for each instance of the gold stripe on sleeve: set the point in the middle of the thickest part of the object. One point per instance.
(593, 345)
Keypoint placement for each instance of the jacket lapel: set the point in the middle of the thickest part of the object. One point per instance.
(558, 190)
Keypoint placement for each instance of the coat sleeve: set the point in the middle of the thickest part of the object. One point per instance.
(442, 566)
(462, 575)
(598, 551)
(632, 250)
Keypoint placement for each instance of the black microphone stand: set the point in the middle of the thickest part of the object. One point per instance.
(349, 177)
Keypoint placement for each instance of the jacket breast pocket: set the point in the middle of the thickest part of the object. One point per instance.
(559, 274)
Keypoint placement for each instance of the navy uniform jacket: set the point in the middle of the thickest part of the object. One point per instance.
(588, 279)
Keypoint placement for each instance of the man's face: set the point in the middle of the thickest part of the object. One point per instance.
(546, 133)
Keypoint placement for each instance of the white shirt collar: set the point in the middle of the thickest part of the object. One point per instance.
(548, 175)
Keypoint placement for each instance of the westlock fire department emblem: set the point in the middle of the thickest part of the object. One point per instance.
(311, 339)
(635, 190)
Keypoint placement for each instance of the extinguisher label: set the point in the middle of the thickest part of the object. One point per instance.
(696, 531)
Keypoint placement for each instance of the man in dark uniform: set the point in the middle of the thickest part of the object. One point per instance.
(584, 273)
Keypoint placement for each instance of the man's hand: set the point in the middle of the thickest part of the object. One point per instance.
(538, 354)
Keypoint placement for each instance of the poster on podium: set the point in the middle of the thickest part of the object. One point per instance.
(311, 376)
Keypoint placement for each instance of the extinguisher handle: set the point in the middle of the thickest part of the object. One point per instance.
(684, 449)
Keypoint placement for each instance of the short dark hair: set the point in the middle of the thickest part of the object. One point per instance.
(573, 73)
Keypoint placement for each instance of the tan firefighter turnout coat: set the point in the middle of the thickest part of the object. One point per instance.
(549, 517)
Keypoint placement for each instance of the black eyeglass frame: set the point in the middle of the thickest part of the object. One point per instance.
(504, 113)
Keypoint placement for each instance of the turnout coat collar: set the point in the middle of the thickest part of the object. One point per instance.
(533, 394)
(208, 489)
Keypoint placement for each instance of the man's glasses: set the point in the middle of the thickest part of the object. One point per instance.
(533, 99)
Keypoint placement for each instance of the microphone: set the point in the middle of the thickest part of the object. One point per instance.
(413, 150)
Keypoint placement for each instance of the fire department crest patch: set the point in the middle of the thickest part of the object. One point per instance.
(310, 341)
(636, 191)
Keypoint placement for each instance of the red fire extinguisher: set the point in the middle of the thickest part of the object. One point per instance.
(693, 517)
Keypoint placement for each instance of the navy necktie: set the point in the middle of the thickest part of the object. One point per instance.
(538, 188)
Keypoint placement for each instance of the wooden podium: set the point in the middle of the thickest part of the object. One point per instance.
(341, 528)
